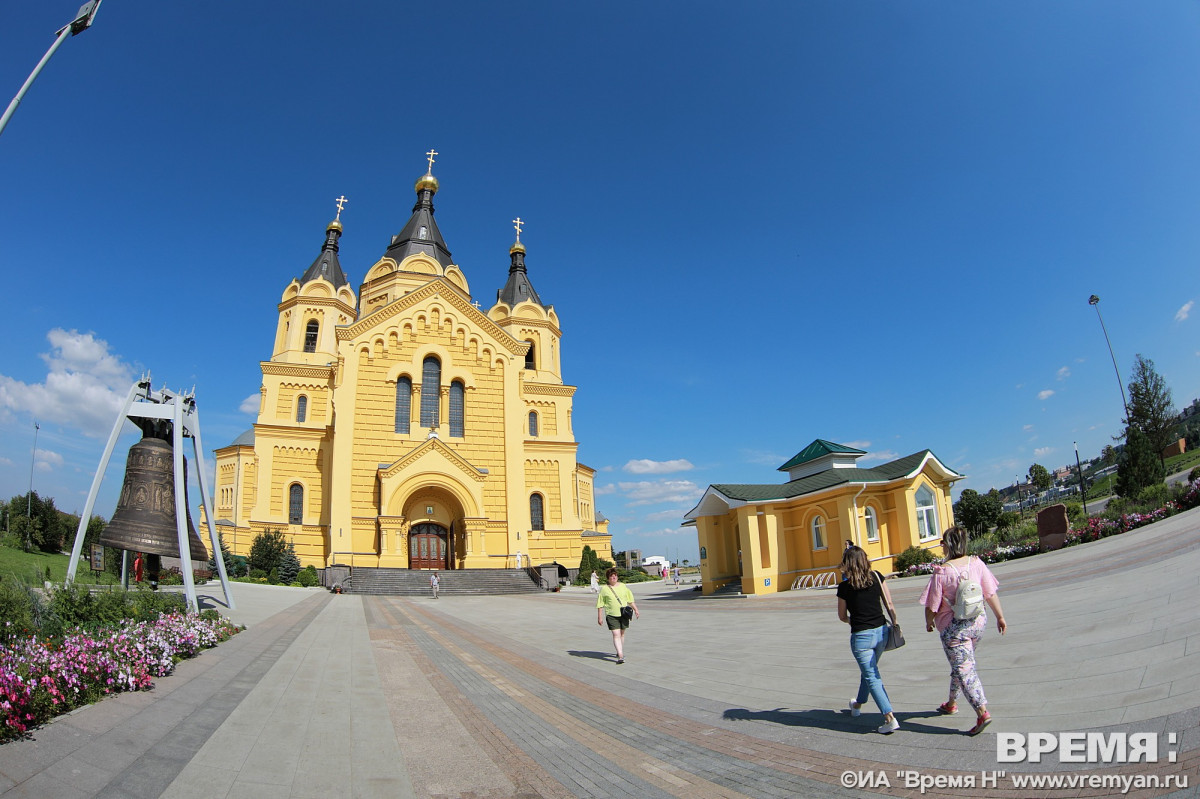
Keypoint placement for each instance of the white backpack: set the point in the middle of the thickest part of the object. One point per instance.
(968, 600)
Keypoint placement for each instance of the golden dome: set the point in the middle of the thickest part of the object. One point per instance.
(334, 225)
(517, 247)
(427, 181)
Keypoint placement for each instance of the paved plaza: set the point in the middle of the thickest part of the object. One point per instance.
(328, 695)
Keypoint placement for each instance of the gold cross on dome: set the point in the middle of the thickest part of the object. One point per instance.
(517, 224)
(341, 203)
(431, 154)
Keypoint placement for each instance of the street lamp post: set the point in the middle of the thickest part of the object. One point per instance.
(1094, 301)
(83, 21)
(1082, 487)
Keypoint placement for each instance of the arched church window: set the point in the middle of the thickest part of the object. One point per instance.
(403, 404)
(533, 424)
(457, 410)
(818, 533)
(872, 523)
(423, 232)
(536, 521)
(530, 362)
(296, 504)
(301, 408)
(310, 335)
(431, 387)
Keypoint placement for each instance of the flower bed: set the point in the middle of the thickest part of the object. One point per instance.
(40, 680)
(1094, 529)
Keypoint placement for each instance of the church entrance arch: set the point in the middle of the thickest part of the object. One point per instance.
(428, 546)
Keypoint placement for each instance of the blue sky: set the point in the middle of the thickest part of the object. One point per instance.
(874, 223)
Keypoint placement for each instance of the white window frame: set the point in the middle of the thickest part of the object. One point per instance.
(927, 518)
(871, 519)
(817, 528)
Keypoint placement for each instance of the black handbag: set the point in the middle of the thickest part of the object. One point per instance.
(627, 612)
(895, 638)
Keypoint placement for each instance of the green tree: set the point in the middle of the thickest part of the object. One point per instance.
(978, 512)
(267, 550)
(50, 532)
(1151, 408)
(289, 565)
(1140, 465)
(1040, 477)
(1108, 455)
(231, 563)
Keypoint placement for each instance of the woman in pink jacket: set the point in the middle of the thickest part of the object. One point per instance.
(960, 637)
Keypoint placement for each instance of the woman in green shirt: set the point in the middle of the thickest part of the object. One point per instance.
(608, 605)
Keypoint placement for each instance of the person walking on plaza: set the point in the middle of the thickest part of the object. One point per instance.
(616, 606)
(435, 582)
(595, 583)
(961, 624)
(675, 574)
(862, 597)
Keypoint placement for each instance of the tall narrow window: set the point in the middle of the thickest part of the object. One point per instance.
(458, 394)
(818, 533)
(533, 427)
(301, 408)
(535, 512)
(310, 335)
(431, 389)
(927, 522)
(872, 520)
(403, 403)
(296, 504)
(530, 361)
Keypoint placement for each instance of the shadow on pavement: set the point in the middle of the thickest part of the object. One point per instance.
(585, 653)
(834, 720)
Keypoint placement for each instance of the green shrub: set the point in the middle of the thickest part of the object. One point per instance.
(289, 565)
(267, 550)
(308, 576)
(1075, 514)
(18, 609)
(1154, 496)
(912, 556)
(258, 574)
(273, 576)
(1194, 475)
(1007, 520)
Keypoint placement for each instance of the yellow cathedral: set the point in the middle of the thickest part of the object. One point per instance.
(408, 427)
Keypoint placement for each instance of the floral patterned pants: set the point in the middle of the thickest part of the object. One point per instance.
(959, 641)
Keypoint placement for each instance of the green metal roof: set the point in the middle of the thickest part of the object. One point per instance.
(819, 449)
(829, 478)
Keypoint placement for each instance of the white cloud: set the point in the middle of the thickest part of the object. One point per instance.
(1183, 312)
(637, 532)
(607, 468)
(45, 460)
(1064, 373)
(646, 466)
(652, 492)
(250, 404)
(1042, 452)
(884, 455)
(762, 457)
(1045, 394)
(663, 515)
(84, 388)
(1027, 428)
(602, 490)
(857, 444)
(5, 462)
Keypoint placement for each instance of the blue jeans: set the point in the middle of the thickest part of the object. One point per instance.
(867, 646)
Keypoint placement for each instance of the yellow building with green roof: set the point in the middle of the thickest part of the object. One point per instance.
(408, 427)
(773, 537)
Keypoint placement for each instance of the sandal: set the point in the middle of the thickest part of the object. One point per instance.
(947, 708)
(981, 722)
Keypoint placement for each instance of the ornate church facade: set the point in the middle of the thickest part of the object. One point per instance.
(408, 427)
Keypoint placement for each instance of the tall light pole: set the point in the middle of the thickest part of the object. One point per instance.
(1094, 301)
(83, 21)
(1079, 470)
(32, 463)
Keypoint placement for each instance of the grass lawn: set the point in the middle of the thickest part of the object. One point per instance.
(30, 567)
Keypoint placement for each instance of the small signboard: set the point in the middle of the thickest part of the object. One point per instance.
(767, 582)
(97, 558)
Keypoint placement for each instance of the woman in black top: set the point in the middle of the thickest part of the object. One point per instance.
(862, 596)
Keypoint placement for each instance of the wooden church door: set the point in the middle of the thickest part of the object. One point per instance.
(427, 546)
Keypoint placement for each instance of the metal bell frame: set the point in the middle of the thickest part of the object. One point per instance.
(180, 409)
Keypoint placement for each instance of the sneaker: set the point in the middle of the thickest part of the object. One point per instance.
(855, 711)
(980, 723)
(889, 727)
(620, 661)
(947, 708)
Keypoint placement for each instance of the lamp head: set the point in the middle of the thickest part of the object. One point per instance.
(1093, 300)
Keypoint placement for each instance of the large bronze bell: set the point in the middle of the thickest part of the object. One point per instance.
(144, 520)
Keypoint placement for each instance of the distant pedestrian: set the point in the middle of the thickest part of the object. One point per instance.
(675, 574)
(137, 568)
(611, 606)
(862, 597)
(435, 582)
(961, 636)
(595, 583)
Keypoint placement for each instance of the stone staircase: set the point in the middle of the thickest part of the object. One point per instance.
(455, 582)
